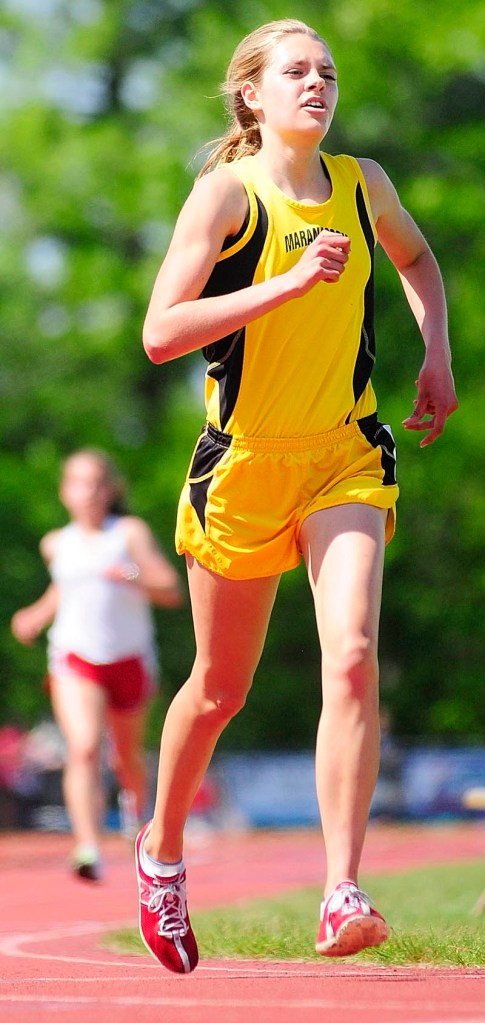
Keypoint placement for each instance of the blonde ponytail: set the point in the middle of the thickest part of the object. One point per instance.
(236, 143)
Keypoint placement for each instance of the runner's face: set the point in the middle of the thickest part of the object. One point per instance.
(298, 91)
(85, 491)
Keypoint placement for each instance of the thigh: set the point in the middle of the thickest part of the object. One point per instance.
(79, 707)
(231, 620)
(343, 547)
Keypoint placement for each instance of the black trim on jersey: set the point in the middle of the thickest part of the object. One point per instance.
(211, 447)
(233, 238)
(325, 169)
(366, 356)
(381, 437)
(227, 355)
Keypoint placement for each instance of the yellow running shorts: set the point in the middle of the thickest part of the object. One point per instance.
(245, 499)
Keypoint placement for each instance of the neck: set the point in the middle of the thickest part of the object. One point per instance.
(91, 522)
(296, 172)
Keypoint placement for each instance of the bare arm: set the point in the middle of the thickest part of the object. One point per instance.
(29, 622)
(421, 279)
(151, 569)
(178, 321)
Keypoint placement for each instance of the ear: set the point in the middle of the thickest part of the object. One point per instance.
(250, 96)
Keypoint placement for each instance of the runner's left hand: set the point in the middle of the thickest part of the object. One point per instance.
(436, 400)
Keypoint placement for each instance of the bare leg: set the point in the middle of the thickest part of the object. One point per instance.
(230, 622)
(344, 551)
(128, 730)
(79, 708)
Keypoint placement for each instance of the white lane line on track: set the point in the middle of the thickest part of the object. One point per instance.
(13, 947)
(297, 1003)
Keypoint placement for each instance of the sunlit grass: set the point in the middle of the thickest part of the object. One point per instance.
(430, 911)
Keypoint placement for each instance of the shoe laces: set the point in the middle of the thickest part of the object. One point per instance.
(348, 899)
(169, 901)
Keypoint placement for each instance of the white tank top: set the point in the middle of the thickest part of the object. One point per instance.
(99, 620)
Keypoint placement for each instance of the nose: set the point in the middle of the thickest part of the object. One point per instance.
(315, 80)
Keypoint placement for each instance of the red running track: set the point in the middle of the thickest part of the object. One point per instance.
(53, 964)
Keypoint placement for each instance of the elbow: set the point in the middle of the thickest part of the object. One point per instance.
(153, 346)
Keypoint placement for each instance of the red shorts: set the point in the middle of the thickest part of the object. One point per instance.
(128, 683)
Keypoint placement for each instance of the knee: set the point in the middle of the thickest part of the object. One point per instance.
(83, 752)
(218, 697)
(353, 662)
(227, 705)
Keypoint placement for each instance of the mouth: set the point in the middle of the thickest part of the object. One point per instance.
(314, 104)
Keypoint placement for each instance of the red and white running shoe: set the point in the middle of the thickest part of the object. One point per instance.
(349, 923)
(163, 917)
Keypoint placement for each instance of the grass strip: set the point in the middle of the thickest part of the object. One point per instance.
(430, 910)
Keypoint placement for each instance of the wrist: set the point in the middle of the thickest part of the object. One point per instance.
(130, 572)
(435, 349)
(437, 343)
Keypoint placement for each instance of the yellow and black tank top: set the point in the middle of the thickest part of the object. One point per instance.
(305, 367)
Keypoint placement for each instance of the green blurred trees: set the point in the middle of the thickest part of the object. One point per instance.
(104, 107)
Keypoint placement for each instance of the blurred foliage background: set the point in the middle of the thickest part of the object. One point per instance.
(105, 106)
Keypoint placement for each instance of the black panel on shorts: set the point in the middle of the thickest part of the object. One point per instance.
(381, 437)
(208, 453)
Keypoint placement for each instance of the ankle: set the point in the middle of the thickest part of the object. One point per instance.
(333, 882)
(159, 849)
